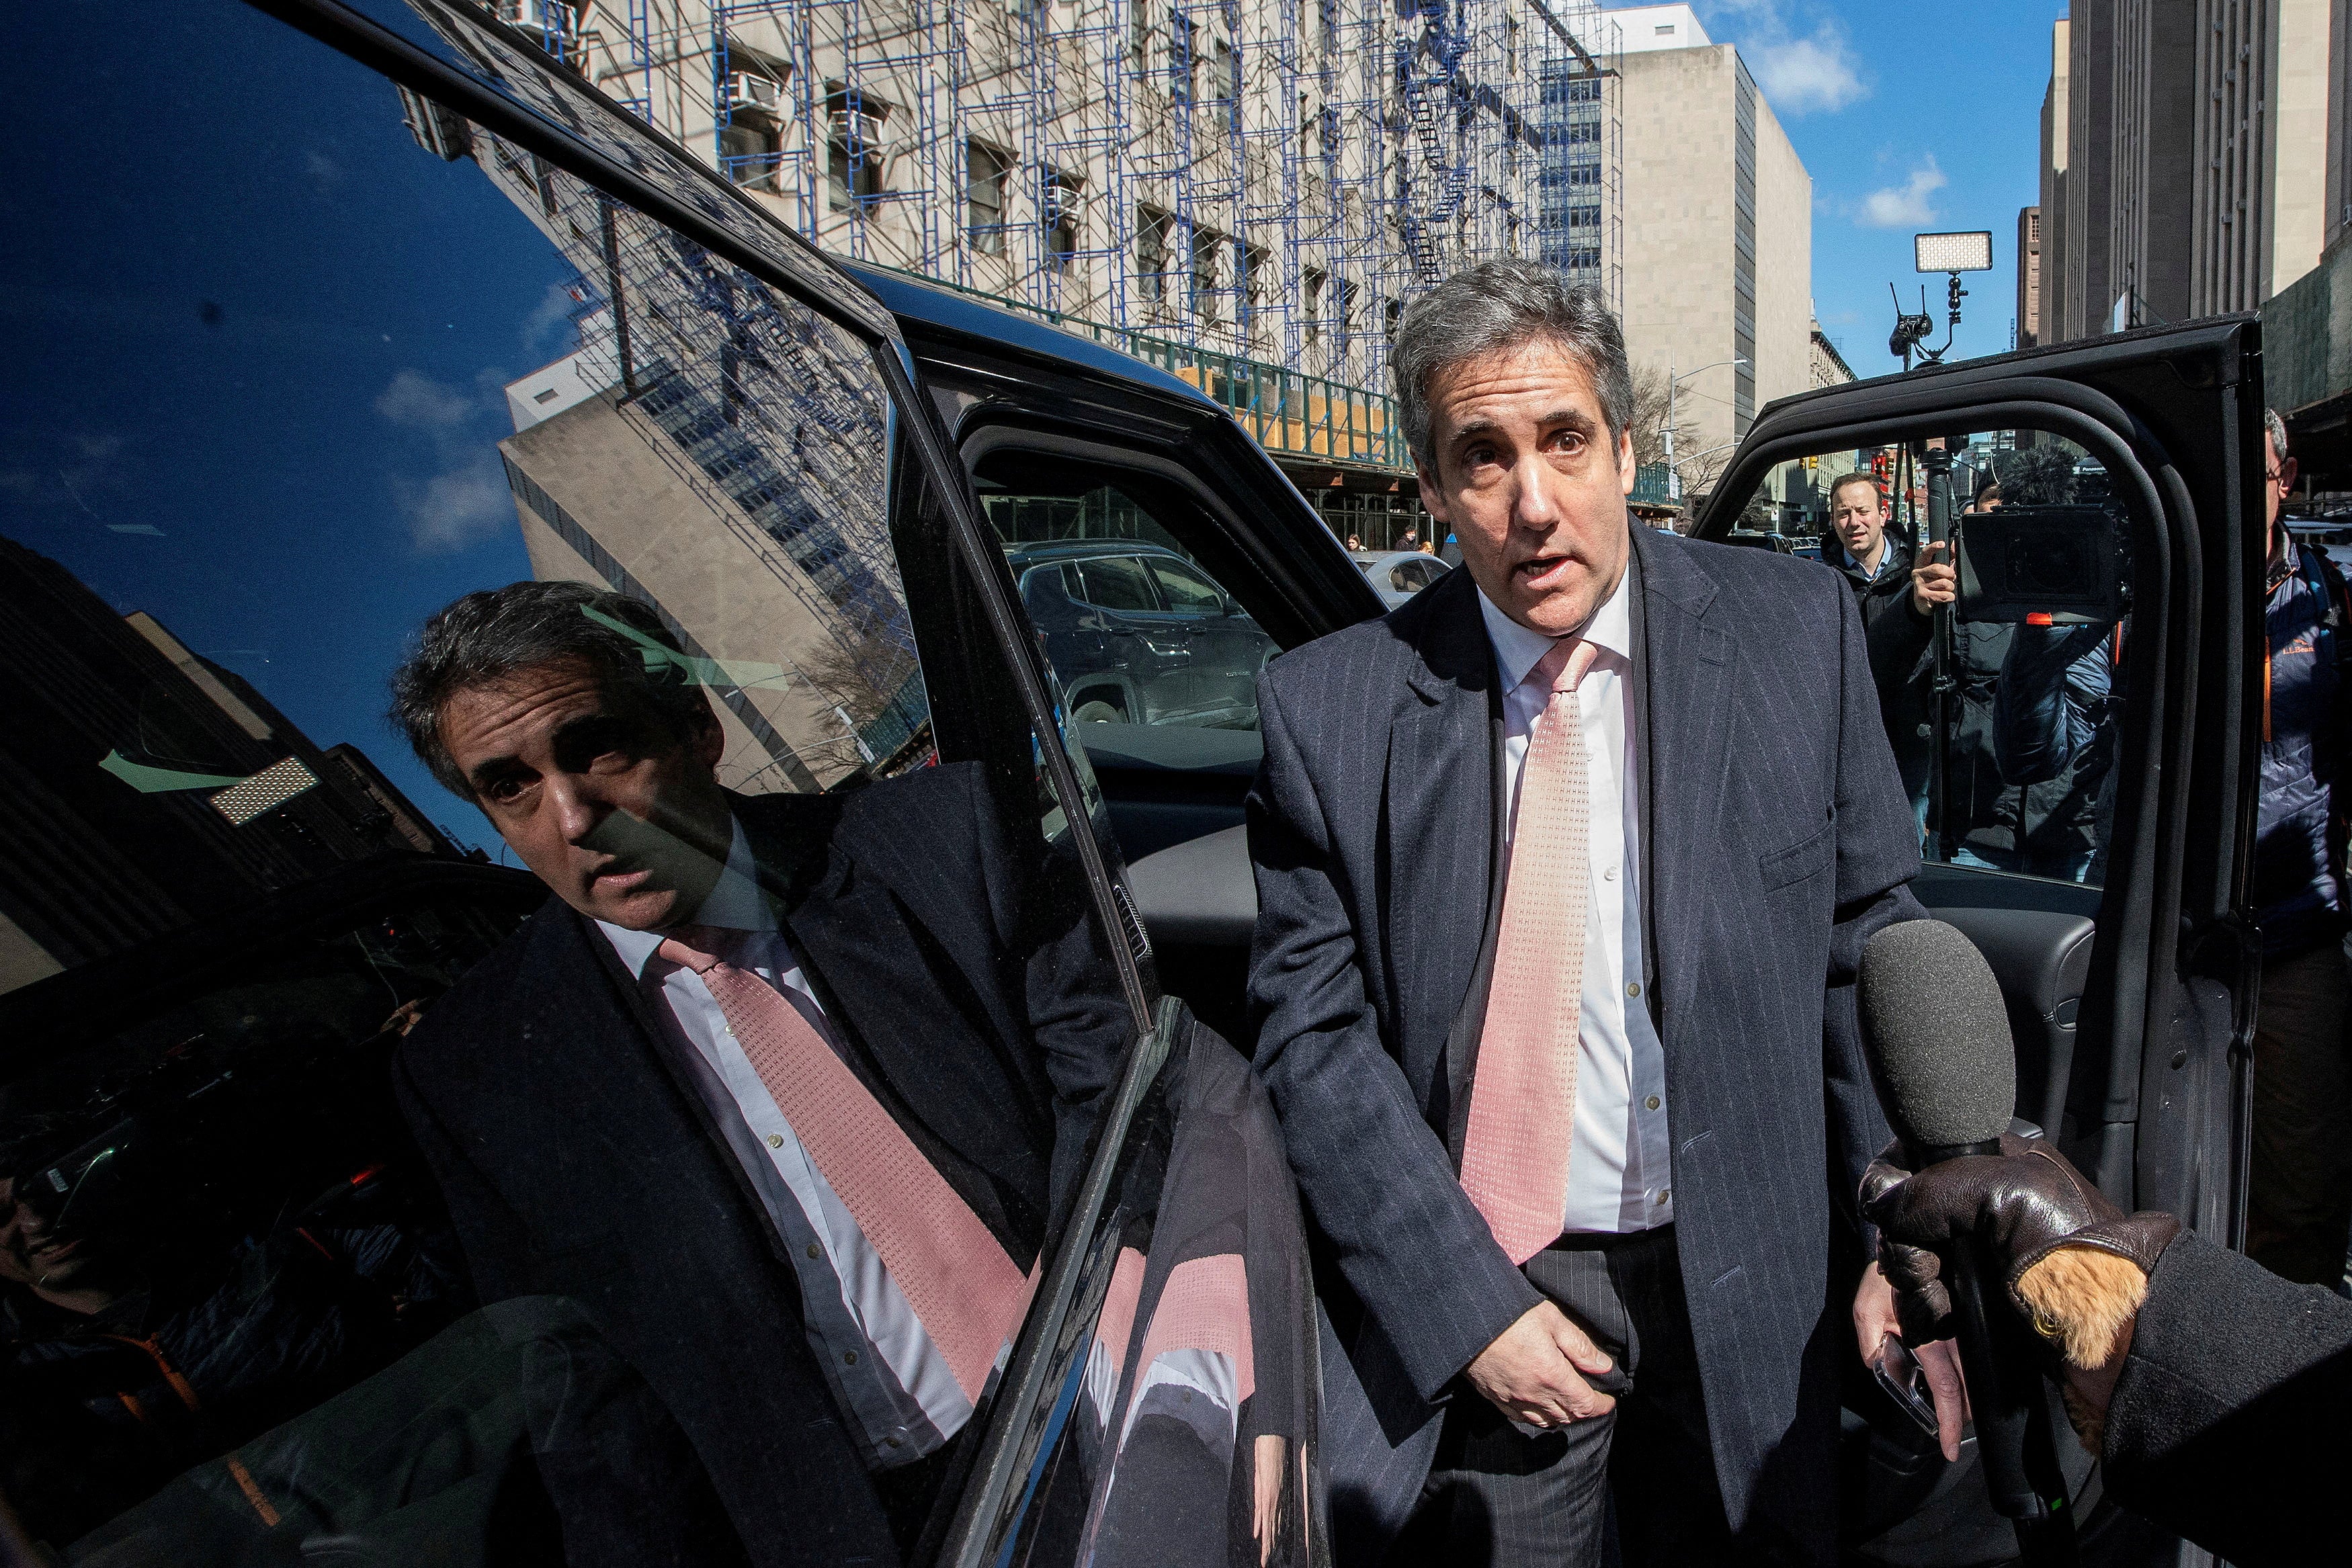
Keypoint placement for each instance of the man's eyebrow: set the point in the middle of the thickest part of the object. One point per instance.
(490, 770)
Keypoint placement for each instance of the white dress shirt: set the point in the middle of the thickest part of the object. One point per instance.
(885, 1370)
(1618, 1168)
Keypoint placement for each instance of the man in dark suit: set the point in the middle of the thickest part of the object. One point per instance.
(1563, 871)
(773, 1088)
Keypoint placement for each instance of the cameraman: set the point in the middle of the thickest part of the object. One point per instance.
(2214, 1393)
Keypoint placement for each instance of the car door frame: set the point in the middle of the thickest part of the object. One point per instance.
(1018, 1411)
(2176, 414)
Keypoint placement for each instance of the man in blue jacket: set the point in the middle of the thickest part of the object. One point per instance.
(2300, 1198)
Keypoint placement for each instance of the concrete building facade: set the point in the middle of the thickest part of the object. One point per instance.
(1264, 179)
(2184, 167)
(1719, 222)
(2026, 323)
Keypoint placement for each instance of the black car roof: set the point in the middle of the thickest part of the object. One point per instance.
(1020, 557)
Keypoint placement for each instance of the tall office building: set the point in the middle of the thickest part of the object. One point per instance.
(2027, 321)
(1718, 226)
(149, 787)
(2185, 160)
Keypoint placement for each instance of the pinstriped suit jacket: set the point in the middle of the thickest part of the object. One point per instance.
(1779, 840)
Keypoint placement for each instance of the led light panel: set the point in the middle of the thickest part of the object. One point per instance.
(271, 787)
(1970, 251)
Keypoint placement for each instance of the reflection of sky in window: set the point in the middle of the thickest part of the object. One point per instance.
(258, 367)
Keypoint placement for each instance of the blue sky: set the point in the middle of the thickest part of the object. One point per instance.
(1910, 117)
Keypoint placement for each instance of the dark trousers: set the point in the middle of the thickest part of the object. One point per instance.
(1499, 1495)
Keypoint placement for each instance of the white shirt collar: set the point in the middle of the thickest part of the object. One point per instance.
(1518, 650)
(734, 903)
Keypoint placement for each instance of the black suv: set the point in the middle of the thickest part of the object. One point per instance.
(289, 407)
(1136, 634)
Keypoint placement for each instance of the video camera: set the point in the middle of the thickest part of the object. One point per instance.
(2043, 566)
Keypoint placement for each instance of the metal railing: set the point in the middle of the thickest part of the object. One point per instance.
(1290, 414)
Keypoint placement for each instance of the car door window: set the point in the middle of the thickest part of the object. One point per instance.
(1185, 591)
(1117, 582)
(333, 1191)
(2009, 759)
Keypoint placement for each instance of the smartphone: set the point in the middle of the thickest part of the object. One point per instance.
(1898, 1371)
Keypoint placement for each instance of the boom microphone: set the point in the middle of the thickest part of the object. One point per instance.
(1937, 1037)
(1933, 1023)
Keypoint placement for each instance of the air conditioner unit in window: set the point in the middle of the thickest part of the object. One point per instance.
(751, 90)
(863, 132)
(554, 21)
(1061, 203)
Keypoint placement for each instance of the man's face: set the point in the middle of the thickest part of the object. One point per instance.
(621, 818)
(2278, 478)
(1530, 483)
(1859, 519)
(29, 1253)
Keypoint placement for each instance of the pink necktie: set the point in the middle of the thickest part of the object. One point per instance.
(969, 1294)
(1523, 1098)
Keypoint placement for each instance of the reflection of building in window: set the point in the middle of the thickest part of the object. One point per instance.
(720, 454)
(121, 745)
(984, 188)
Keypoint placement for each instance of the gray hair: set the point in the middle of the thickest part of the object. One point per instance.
(2277, 429)
(1498, 306)
(490, 637)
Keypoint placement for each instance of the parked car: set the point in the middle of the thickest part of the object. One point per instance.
(1136, 634)
(1397, 575)
(285, 425)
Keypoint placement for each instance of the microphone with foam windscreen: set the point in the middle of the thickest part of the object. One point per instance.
(1937, 1033)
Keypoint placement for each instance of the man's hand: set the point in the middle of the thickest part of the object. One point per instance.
(1532, 1370)
(1874, 1323)
(1934, 579)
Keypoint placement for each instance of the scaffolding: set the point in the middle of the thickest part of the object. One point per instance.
(1250, 181)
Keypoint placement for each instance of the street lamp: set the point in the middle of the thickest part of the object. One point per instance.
(1674, 474)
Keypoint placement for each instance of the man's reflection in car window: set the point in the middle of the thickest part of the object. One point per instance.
(245, 1311)
(876, 1050)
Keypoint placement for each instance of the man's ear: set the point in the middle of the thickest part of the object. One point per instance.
(709, 739)
(1433, 497)
(2287, 470)
(1625, 469)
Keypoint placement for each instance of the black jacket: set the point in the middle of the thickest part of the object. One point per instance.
(1784, 843)
(2233, 1420)
(579, 1162)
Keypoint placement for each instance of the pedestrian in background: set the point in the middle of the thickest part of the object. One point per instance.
(2299, 1201)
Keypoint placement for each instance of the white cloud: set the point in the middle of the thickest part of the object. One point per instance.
(554, 309)
(416, 402)
(1803, 74)
(1800, 73)
(459, 508)
(1910, 204)
(464, 499)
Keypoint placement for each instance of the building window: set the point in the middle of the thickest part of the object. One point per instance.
(1138, 37)
(1311, 289)
(1225, 78)
(1182, 61)
(853, 151)
(748, 155)
(1208, 247)
(1151, 255)
(1061, 219)
(1253, 259)
(1392, 312)
(984, 196)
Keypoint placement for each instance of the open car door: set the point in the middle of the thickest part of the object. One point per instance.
(2079, 741)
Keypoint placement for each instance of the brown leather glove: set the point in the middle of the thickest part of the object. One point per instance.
(2049, 1233)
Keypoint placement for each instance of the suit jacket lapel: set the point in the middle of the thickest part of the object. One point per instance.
(1439, 855)
(1690, 663)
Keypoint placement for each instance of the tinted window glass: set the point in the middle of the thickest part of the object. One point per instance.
(2013, 767)
(1117, 582)
(1185, 591)
(338, 1201)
